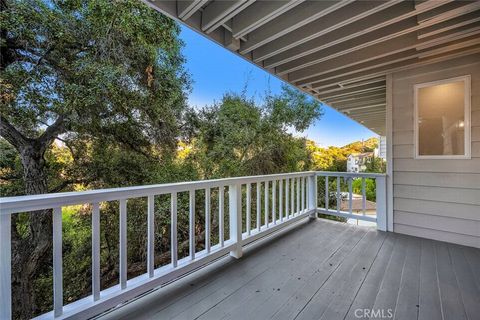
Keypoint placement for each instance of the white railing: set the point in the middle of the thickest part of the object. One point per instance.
(335, 179)
(286, 198)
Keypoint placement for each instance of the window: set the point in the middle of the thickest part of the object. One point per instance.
(442, 119)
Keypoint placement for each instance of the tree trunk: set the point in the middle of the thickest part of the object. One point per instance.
(32, 250)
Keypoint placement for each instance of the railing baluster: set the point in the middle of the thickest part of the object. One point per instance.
(123, 244)
(266, 203)
(57, 263)
(327, 197)
(280, 196)
(207, 220)
(151, 236)
(350, 195)
(259, 202)
(173, 230)
(302, 179)
(312, 202)
(249, 207)
(292, 197)
(364, 197)
(191, 224)
(96, 251)
(287, 198)
(274, 201)
(221, 208)
(5, 266)
(298, 195)
(338, 194)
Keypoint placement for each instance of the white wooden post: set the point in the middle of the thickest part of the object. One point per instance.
(5, 267)
(312, 195)
(57, 263)
(207, 220)
(381, 203)
(173, 230)
(249, 208)
(151, 236)
(235, 207)
(96, 251)
(123, 244)
(191, 224)
(221, 218)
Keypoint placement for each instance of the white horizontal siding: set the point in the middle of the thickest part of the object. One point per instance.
(405, 151)
(449, 224)
(437, 165)
(454, 195)
(440, 208)
(437, 199)
(443, 179)
(440, 235)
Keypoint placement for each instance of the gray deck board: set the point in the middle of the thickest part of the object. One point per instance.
(452, 304)
(324, 270)
(430, 306)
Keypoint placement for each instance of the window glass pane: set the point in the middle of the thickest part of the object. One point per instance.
(441, 123)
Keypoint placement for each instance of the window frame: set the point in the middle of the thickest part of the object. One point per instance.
(467, 118)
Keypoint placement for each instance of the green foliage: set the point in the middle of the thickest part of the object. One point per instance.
(370, 189)
(335, 158)
(238, 137)
(99, 72)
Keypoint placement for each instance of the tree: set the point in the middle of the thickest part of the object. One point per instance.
(85, 72)
(239, 136)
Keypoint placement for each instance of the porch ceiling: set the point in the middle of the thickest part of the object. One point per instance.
(337, 51)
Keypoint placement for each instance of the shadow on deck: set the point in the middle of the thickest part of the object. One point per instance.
(325, 270)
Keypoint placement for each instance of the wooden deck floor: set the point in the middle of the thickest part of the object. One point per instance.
(326, 270)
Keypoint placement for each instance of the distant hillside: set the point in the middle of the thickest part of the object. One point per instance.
(335, 158)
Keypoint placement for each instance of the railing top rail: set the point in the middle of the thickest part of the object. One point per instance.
(51, 200)
(350, 174)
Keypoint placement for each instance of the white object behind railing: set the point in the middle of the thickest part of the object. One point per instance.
(381, 210)
(276, 216)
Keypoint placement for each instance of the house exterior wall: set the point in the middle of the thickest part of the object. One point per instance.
(437, 199)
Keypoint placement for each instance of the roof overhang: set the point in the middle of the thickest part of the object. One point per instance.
(337, 51)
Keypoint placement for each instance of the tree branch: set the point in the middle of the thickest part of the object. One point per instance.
(11, 134)
(53, 131)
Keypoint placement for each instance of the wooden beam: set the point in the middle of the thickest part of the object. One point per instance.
(454, 23)
(385, 53)
(387, 24)
(359, 103)
(378, 112)
(297, 17)
(185, 9)
(356, 73)
(258, 14)
(430, 4)
(394, 14)
(447, 11)
(366, 44)
(335, 20)
(453, 46)
(319, 64)
(364, 107)
(367, 95)
(231, 43)
(218, 12)
(350, 92)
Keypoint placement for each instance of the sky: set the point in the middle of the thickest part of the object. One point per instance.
(215, 70)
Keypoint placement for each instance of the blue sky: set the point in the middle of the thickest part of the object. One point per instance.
(215, 71)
